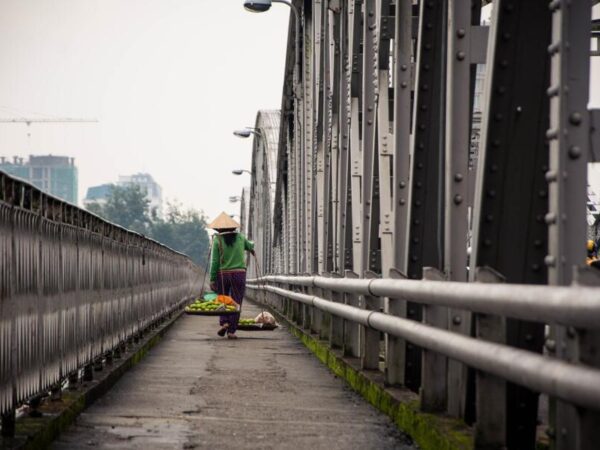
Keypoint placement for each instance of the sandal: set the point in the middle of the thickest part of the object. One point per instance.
(223, 330)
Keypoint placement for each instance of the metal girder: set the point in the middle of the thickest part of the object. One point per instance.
(369, 125)
(402, 125)
(425, 246)
(385, 147)
(434, 386)
(511, 194)
(402, 87)
(490, 426)
(568, 134)
(355, 185)
(335, 20)
(307, 173)
(369, 338)
(354, 44)
(331, 140)
(321, 87)
(426, 211)
(344, 71)
(459, 112)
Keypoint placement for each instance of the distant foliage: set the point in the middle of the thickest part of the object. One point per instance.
(128, 206)
(183, 230)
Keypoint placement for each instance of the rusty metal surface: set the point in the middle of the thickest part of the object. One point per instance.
(72, 288)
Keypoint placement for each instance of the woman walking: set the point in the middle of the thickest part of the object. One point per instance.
(228, 267)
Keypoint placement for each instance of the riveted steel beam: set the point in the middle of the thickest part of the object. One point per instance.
(343, 195)
(402, 88)
(568, 134)
(511, 194)
(403, 56)
(426, 210)
(370, 86)
(459, 114)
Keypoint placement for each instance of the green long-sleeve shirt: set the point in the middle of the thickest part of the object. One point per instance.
(233, 256)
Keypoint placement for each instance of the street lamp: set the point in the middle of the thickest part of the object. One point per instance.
(246, 132)
(240, 171)
(242, 133)
(258, 6)
(234, 199)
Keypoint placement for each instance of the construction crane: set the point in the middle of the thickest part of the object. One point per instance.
(29, 120)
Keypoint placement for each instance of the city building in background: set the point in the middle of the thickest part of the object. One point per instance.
(99, 194)
(147, 183)
(56, 175)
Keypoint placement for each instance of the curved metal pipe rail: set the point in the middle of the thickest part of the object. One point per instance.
(572, 383)
(73, 288)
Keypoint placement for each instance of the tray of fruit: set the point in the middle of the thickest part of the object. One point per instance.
(214, 308)
(252, 325)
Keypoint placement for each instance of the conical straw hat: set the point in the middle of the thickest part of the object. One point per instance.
(222, 221)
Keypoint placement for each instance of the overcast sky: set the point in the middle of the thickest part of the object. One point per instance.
(168, 80)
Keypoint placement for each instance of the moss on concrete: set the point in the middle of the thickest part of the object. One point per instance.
(337, 367)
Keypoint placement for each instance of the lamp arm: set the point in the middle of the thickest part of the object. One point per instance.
(291, 5)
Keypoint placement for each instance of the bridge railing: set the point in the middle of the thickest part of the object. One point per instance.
(73, 289)
(347, 312)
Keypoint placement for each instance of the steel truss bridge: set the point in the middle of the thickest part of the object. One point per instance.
(424, 205)
(430, 229)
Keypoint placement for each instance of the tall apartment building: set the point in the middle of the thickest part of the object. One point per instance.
(56, 175)
(99, 194)
(147, 184)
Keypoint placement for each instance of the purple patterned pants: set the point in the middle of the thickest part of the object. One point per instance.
(234, 285)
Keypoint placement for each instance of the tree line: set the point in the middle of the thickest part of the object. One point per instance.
(183, 230)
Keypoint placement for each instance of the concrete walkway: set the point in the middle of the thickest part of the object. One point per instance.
(264, 390)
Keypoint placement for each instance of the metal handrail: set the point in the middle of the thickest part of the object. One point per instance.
(572, 383)
(73, 288)
(577, 306)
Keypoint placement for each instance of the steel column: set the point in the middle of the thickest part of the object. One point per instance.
(458, 138)
(568, 134)
(509, 233)
(426, 211)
